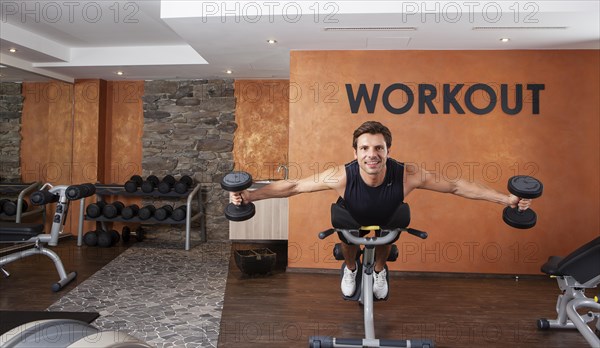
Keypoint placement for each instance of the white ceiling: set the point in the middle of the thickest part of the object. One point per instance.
(184, 39)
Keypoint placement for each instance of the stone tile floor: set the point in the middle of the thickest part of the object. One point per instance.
(158, 292)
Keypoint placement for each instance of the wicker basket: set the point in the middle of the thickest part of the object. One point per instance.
(255, 261)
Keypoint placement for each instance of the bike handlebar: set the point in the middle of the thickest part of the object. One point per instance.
(386, 239)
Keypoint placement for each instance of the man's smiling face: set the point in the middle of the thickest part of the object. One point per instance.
(371, 153)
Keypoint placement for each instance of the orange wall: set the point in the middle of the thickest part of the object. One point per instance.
(560, 146)
(46, 130)
(125, 126)
(86, 132)
(86, 153)
(262, 116)
(124, 121)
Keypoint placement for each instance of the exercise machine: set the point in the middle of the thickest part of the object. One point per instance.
(12, 232)
(65, 333)
(343, 223)
(59, 333)
(576, 272)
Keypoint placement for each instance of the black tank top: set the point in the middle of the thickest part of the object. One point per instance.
(374, 205)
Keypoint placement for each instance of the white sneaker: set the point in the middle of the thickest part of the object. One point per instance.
(380, 285)
(349, 282)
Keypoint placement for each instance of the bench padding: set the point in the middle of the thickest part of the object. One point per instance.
(582, 264)
(14, 232)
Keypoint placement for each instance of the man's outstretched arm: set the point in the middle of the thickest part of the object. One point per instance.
(422, 179)
(332, 178)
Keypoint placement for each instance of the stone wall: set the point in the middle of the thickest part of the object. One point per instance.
(188, 130)
(11, 106)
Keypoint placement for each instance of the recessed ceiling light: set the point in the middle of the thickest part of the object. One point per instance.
(271, 41)
(119, 73)
(228, 71)
(12, 50)
(504, 39)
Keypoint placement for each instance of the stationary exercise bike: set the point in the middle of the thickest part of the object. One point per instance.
(342, 222)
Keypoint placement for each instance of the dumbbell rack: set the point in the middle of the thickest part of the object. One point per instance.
(118, 190)
(21, 190)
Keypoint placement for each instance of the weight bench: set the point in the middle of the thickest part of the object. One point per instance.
(576, 272)
(11, 232)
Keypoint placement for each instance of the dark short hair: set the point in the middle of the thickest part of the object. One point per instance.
(373, 127)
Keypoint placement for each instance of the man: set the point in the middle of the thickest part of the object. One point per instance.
(372, 187)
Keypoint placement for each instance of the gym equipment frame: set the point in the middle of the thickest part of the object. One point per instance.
(366, 291)
(576, 272)
(12, 232)
(118, 190)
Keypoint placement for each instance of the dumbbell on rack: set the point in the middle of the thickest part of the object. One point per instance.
(101, 238)
(112, 210)
(2, 201)
(133, 183)
(94, 210)
(130, 211)
(108, 238)
(146, 212)
(184, 184)
(90, 238)
(166, 184)
(150, 184)
(126, 234)
(179, 213)
(163, 212)
(10, 207)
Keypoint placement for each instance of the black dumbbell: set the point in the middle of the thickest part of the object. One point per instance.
(133, 183)
(163, 212)
(90, 238)
(184, 184)
(140, 234)
(113, 209)
(95, 209)
(236, 182)
(179, 213)
(104, 238)
(43, 197)
(525, 187)
(126, 234)
(74, 192)
(150, 184)
(130, 211)
(166, 184)
(146, 212)
(10, 207)
(107, 238)
(2, 201)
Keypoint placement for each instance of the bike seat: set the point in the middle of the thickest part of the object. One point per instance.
(342, 219)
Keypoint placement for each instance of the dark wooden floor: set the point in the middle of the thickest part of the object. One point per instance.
(285, 308)
(282, 310)
(31, 279)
